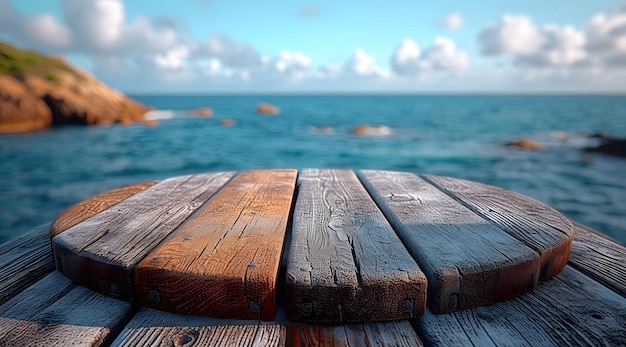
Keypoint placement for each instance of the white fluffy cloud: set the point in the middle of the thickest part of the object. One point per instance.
(45, 30)
(41, 29)
(442, 55)
(606, 37)
(453, 21)
(97, 24)
(293, 65)
(174, 59)
(547, 46)
(99, 27)
(363, 65)
(515, 35)
(231, 53)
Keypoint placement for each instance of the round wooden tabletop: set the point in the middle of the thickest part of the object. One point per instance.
(330, 245)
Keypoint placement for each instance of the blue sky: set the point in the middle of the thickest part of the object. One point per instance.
(212, 46)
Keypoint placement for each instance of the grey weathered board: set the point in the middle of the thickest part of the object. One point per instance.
(23, 261)
(156, 328)
(94, 205)
(55, 312)
(600, 258)
(345, 262)
(468, 260)
(394, 333)
(101, 252)
(538, 226)
(569, 310)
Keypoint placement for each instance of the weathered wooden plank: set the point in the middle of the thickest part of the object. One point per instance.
(345, 262)
(101, 252)
(94, 205)
(223, 261)
(24, 260)
(55, 312)
(394, 333)
(569, 310)
(600, 258)
(157, 328)
(468, 261)
(537, 225)
(32, 300)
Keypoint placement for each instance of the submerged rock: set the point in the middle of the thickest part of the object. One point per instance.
(200, 112)
(227, 122)
(322, 129)
(525, 144)
(367, 130)
(265, 108)
(37, 91)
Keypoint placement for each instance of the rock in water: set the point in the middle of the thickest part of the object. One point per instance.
(201, 112)
(227, 122)
(525, 144)
(614, 147)
(265, 108)
(367, 130)
(37, 91)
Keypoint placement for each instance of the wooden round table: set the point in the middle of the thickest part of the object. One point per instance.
(330, 245)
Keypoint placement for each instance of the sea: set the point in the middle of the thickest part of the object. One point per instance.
(42, 173)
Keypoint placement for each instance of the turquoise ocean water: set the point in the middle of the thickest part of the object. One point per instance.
(43, 173)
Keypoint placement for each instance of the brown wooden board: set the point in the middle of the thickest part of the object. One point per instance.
(600, 258)
(102, 251)
(569, 310)
(537, 225)
(94, 205)
(395, 333)
(468, 261)
(24, 260)
(223, 261)
(54, 312)
(157, 328)
(345, 263)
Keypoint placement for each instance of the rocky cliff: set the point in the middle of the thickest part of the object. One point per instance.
(38, 91)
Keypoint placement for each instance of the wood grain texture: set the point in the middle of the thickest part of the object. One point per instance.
(24, 260)
(569, 310)
(537, 225)
(395, 333)
(600, 258)
(102, 251)
(224, 260)
(468, 261)
(156, 328)
(94, 205)
(54, 312)
(345, 262)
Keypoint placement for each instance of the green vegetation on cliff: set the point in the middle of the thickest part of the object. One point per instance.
(19, 63)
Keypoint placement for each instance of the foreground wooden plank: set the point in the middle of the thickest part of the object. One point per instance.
(537, 225)
(94, 205)
(157, 328)
(570, 310)
(600, 258)
(101, 252)
(395, 333)
(24, 260)
(55, 312)
(345, 261)
(223, 261)
(468, 261)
